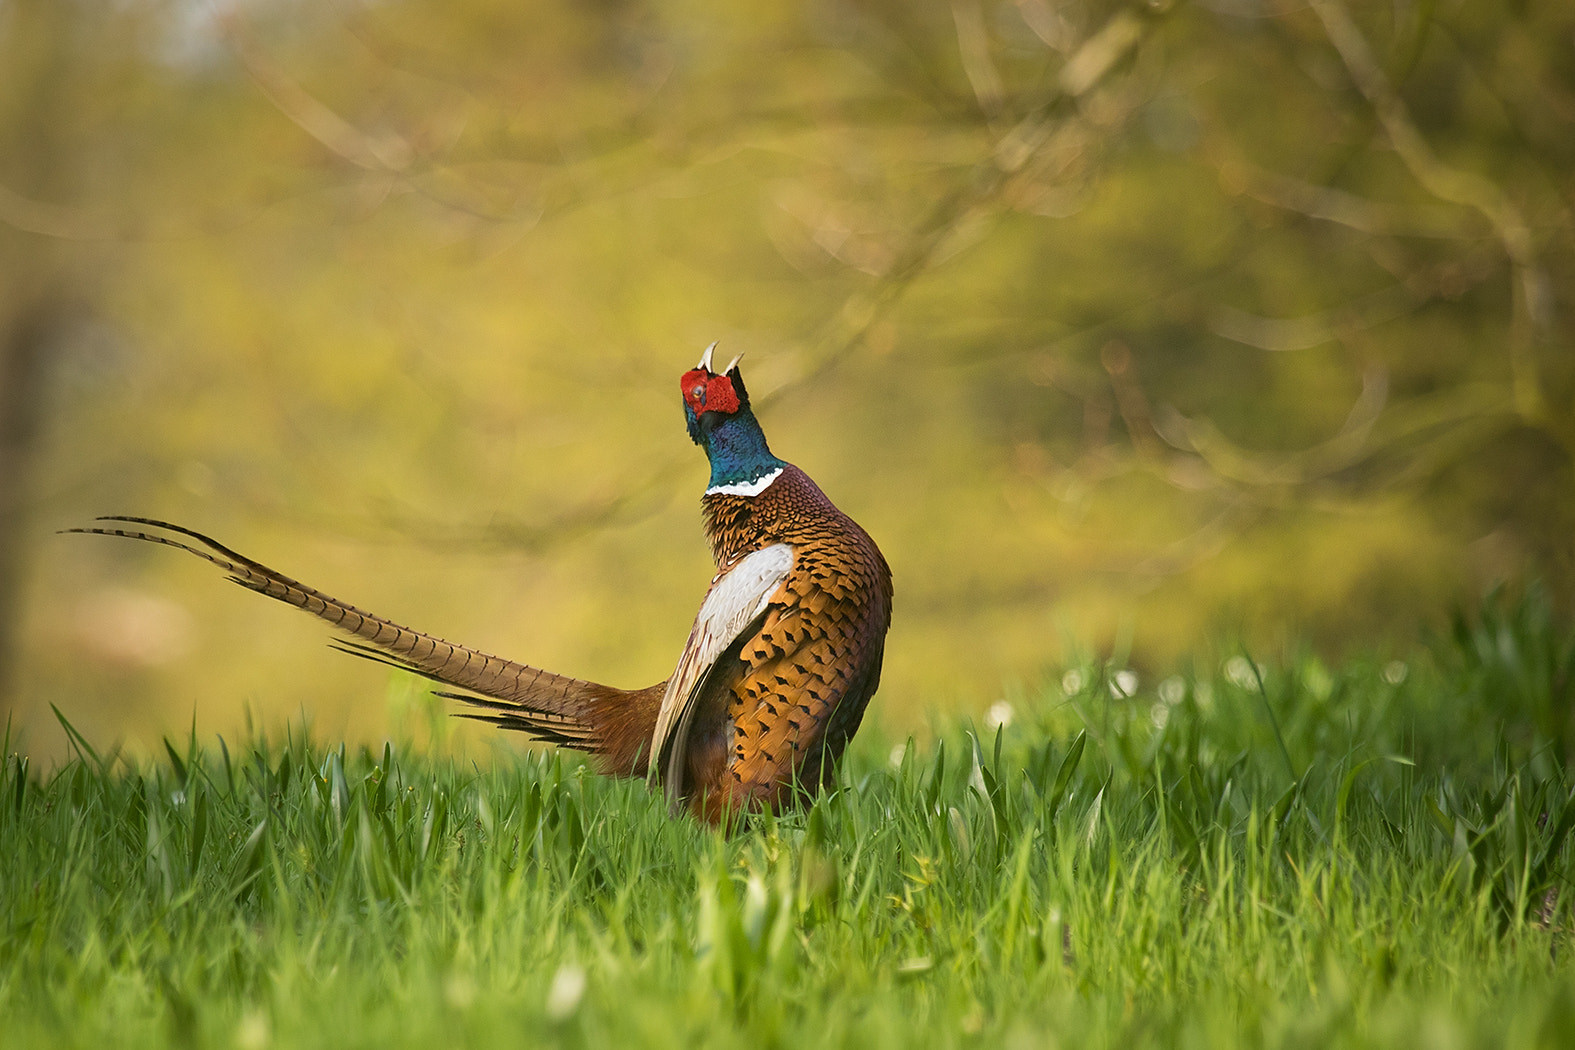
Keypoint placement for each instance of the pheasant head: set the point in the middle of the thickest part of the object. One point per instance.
(716, 406)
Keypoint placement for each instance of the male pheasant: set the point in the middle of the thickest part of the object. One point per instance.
(784, 654)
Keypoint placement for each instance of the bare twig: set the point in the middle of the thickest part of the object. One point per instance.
(1532, 310)
(1366, 435)
(1047, 24)
(388, 153)
(50, 220)
(1280, 335)
(973, 45)
(1131, 402)
(1092, 62)
(1088, 67)
(1328, 204)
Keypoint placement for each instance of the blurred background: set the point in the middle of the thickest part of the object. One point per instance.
(1126, 330)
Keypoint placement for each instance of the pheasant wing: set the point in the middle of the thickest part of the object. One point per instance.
(808, 672)
(735, 604)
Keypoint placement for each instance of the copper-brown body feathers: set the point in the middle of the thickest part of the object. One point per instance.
(783, 706)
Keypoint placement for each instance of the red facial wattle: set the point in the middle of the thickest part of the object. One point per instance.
(706, 392)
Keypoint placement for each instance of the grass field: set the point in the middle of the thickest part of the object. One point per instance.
(1280, 855)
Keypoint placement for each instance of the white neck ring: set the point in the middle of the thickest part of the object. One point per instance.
(745, 488)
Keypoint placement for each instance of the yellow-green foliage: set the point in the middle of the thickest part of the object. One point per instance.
(393, 297)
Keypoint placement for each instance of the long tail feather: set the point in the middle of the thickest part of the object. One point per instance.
(553, 707)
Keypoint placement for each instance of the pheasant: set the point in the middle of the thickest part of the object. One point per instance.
(784, 655)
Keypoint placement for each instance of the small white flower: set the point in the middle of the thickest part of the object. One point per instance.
(1241, 672)
(1173, 690)
(1072, 682)
(999, 714)
(1159, 714)
(566, 991)
(1124, 683)
(898, 751)
(1395, 672)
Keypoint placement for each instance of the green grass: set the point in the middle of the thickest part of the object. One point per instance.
(1396, 874)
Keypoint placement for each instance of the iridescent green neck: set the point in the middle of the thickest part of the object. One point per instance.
(741, 462)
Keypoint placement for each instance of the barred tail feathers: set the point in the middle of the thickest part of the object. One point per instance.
(553, 707)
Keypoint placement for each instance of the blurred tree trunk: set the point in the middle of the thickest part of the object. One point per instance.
(38, 48)
(27, 332)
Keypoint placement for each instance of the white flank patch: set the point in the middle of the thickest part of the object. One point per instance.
(734, 600)
(745, 488)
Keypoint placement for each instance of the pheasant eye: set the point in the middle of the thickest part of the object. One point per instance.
(697, 391)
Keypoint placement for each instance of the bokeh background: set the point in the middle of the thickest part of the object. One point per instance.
(1127, 330)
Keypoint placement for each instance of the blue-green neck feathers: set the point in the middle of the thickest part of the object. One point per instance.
(737, 449)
